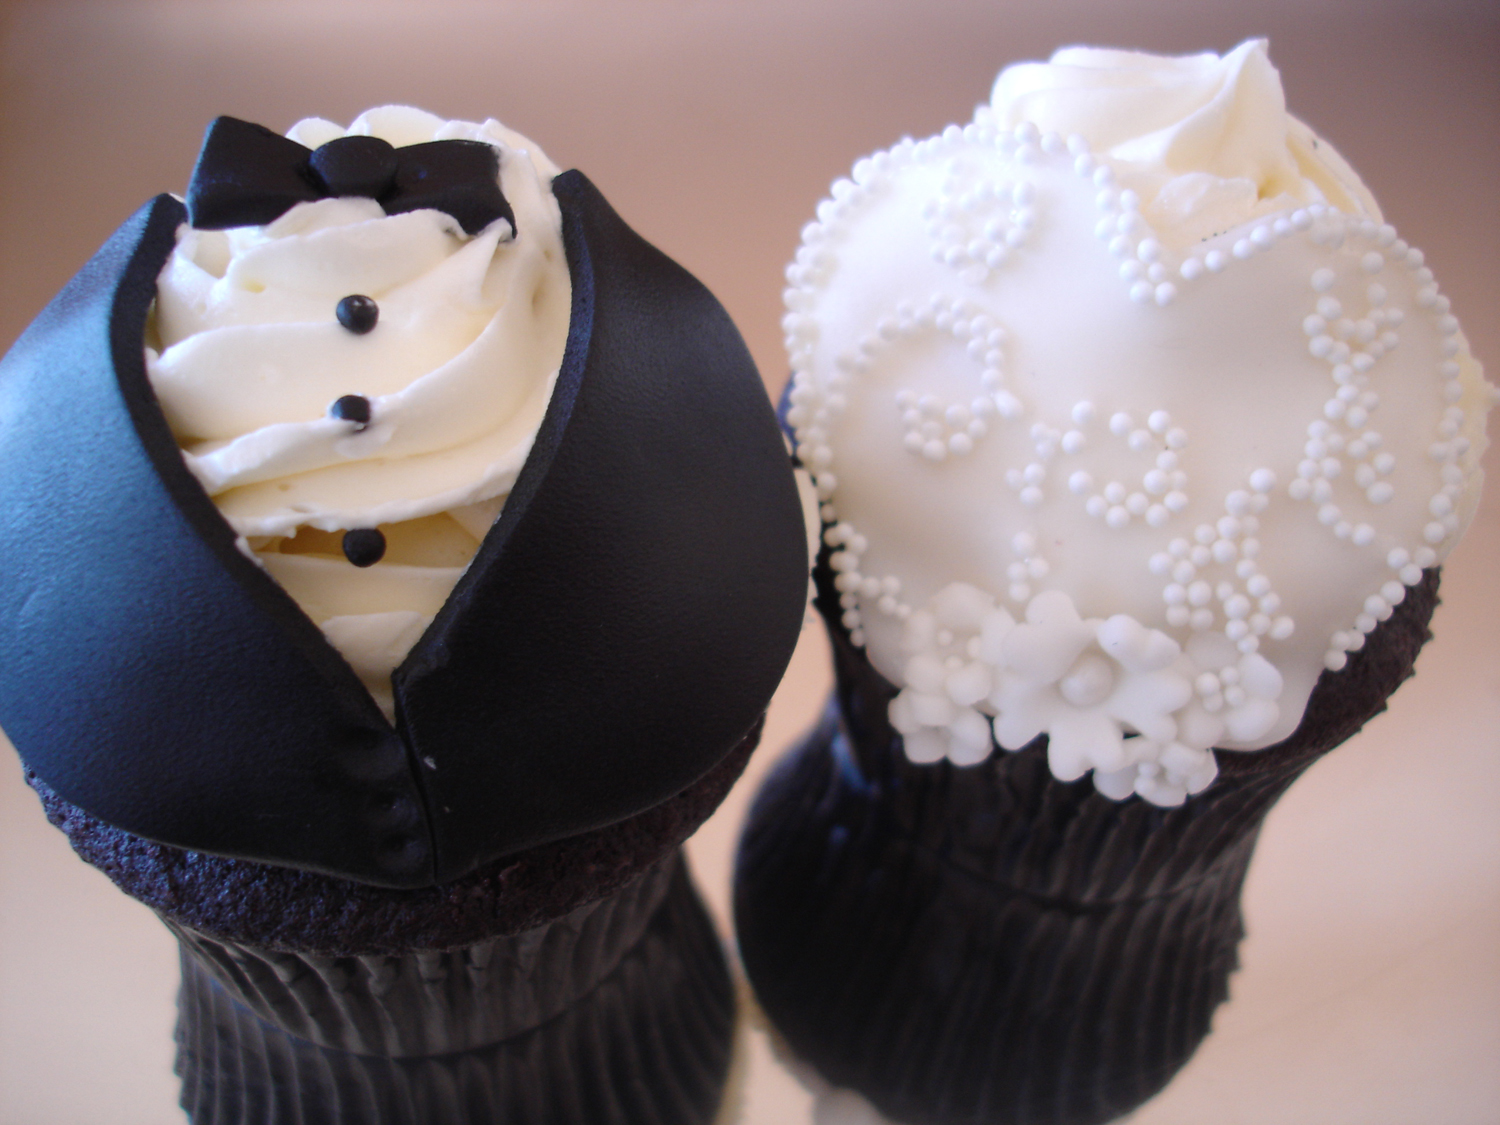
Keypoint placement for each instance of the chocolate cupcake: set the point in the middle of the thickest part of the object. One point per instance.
(1140, 438)
(416, 586)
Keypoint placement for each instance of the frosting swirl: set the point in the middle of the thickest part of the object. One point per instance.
(247, 355)
(1205, 140)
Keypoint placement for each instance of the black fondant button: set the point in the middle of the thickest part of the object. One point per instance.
(357, 313)
(364, 546)
(351, 408)
(355, 166)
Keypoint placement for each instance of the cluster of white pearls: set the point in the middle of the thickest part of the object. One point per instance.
(1352, 343)
(1262, 237)
(1161, 493)
(1025, 144)
(815, 261)
(810, 414)
(1351, 347)
(1029, 566)
(974, 227)
(1027, 481)
(1143, 259)
(848, 548)
(1231, 686)
(934, 429)
(1248, 604)
(1123, 227)
(1322, 464)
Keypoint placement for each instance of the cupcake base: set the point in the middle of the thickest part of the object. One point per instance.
(620, 1013)
(990, 946)
(948, 997)
(577, 981)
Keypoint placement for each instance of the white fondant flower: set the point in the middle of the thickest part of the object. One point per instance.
(951, 669)
(1085, 684)
(1235, 699)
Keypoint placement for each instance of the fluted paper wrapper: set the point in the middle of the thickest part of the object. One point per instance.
(990, 945)
(619, 1012)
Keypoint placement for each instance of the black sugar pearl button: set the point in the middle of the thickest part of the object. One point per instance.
(351, 408)
(355, 166)
(364, 546)
(357, 313)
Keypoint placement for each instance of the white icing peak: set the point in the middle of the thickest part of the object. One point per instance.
(1081, 480)
(1204, 140)
(248, 356)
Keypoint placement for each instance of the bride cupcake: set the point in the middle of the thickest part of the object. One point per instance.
(1140, 438)
(398, 557)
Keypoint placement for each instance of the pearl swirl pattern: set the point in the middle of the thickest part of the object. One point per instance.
(1079, 480)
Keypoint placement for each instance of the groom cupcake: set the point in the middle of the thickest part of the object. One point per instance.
(414, 586)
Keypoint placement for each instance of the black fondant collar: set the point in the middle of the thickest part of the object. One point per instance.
(623, 625)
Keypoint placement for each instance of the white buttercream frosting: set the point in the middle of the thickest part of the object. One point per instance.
(1204, 140)
(247, 356)
(1087, 475)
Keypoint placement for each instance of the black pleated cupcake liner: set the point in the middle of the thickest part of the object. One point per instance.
(990, 946)
(947, 997)
(621, 1013)
(429, 1002)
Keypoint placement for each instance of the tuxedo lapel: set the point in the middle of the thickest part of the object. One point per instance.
(632, 610)
(150, 672)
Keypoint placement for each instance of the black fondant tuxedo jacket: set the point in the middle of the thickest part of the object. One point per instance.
(621, 628)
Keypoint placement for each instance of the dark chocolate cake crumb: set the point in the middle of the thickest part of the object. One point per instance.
(282, 908)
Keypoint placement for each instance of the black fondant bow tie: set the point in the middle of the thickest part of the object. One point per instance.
(247, 175)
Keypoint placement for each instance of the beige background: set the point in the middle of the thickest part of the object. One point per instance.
(1370, 987)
